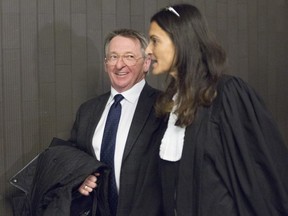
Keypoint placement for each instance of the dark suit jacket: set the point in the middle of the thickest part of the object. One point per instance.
(139, 182)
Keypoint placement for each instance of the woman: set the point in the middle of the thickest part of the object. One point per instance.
(221, 153)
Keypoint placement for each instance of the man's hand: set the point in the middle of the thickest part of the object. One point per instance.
(89, 184)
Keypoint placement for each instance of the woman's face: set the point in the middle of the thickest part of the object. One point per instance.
(162, 51)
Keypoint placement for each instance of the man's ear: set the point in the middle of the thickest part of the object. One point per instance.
(147, 63)
(105, 67)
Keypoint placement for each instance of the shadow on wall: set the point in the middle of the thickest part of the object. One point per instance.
(67, 79)
(67, 72)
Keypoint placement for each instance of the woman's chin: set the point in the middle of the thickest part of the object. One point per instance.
(157, 71)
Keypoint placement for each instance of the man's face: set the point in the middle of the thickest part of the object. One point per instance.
(122, 76)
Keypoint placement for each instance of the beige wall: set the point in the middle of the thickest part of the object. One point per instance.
(51, 60)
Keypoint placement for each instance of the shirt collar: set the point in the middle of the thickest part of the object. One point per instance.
(131, 95)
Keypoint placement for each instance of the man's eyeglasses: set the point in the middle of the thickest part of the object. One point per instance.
(128, 59)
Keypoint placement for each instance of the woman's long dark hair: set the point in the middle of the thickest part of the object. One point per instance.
(200, 61)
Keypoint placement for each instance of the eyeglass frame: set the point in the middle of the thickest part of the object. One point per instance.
(122, 57)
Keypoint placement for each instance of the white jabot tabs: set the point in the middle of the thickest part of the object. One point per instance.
(172, 142)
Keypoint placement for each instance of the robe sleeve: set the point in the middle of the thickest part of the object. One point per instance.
(255, 154)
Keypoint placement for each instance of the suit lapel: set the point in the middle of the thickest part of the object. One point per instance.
(95, 118)
(143, 109)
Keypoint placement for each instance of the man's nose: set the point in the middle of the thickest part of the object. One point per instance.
(120, 63)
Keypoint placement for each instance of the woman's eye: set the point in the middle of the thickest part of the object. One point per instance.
(154, 41)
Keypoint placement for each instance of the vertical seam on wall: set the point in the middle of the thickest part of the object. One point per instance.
(70, 63)
(21, 79)
(54, 68)
(38, 73)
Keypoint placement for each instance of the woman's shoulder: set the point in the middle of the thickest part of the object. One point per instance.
(229, 80)
(233, 93)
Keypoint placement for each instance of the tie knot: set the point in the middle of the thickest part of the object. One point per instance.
(118, 98)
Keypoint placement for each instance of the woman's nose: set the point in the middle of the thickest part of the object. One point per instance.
(148, 50)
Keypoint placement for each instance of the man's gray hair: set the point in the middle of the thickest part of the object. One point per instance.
(128, 33)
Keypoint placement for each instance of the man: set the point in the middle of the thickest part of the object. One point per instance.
(135, 160)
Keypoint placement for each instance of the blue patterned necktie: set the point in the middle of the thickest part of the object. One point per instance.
(108, 148)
